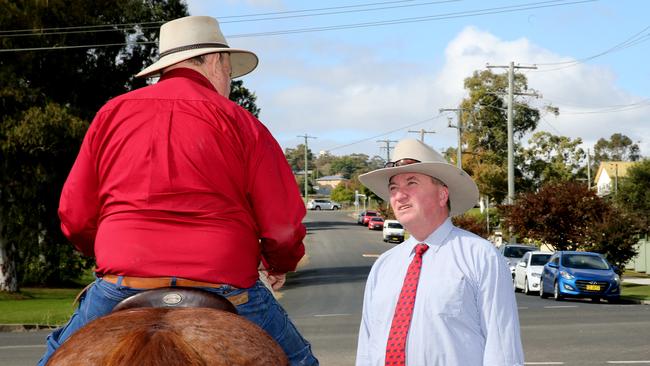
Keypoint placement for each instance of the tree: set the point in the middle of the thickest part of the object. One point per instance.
(349, 165)
(618, 148)
(244, 97)
(551, 158)
(633, 194)
(296, 157)
(569, 216)
(485, 137)
(48, 98)
(342, 193)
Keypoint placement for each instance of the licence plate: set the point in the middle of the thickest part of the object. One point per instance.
(593, 288)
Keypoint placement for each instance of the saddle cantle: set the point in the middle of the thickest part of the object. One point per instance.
(176, 297)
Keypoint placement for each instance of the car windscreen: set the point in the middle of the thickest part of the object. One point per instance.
(584, 261)
(516, 252)
(394, 225)
(539, 259)
(376, 219)
(371, 214)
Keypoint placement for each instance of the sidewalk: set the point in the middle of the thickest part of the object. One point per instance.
(638, 281)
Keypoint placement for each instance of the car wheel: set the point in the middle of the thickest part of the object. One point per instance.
(526, 289)
(542, 294)
(556, 292)
(335, 208)
(317, 208)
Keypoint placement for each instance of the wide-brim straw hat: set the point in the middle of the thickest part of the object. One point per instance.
(187, 37)
(463, 193)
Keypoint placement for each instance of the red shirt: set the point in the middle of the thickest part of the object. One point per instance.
(175, 180)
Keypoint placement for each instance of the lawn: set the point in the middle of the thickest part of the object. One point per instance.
(41, 306)
(635, 291)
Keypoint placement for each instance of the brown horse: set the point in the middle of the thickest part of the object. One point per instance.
(170, 336)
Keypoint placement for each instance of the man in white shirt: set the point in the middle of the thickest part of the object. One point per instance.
(461, 309)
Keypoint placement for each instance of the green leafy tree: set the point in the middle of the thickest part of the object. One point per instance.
(296, 157)
(343, 193)
(619, 147)
(485, 137)
(348, 165)
(634, 196)
(244, 97)
(615, 235)
(47, 98)
(550, 158)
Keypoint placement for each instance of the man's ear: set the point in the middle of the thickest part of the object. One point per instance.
(443, 194)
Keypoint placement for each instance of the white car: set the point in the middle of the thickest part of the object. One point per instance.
(323, 205)
(529, 270)
(393, 231)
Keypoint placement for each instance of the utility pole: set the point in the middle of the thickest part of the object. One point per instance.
(306, 136)
(588, 170)
(459, 126)
(511, 160)
(422, 131)
(388, 147)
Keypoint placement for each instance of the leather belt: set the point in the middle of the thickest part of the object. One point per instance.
(157, 282)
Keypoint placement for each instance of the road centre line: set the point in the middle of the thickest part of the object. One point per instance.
(647, 362)
(560, 306)
(326, 315)
(24, 346)
(544, 363)
(370, 255)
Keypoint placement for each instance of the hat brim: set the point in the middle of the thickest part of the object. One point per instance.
(242, 61)
(463, 192)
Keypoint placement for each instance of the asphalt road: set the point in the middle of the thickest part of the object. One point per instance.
(324, 299)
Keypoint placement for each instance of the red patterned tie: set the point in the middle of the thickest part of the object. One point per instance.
(399, 329)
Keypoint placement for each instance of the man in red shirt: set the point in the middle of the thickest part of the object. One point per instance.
(175, 185)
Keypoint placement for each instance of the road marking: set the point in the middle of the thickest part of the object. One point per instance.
(560, 306)
(544, 363)
(522, 307)
(25, 346)
(325, 315)
(629, 362)
(370, 255)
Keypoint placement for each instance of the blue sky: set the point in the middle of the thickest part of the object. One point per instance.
(353, 86)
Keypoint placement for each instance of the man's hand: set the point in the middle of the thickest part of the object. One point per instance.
(277, 280)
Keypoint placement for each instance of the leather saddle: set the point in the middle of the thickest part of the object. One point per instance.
(176, 297)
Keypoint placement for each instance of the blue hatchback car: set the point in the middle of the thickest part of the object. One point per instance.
(580, 274)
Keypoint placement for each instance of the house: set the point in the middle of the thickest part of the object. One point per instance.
(609, 172)
(327, 183)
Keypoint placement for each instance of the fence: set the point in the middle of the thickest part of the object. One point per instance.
(641, 262)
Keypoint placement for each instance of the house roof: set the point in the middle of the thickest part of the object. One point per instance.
(331, 177)
(613, 168)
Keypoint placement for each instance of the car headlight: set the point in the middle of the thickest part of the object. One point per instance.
(617, 278)
(566, 275)
(536, 275)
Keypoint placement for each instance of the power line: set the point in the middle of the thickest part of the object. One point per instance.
(631, 41)
(155, 25)
(383, 134)
(445, 16)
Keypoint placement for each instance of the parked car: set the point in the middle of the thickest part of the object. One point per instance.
(529, 270)
(513, 254)
(363, 220)
(318, 204)
(580, 274)
(376, 223)
(393, 231)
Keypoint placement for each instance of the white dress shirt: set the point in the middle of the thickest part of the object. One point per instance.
(465, 311)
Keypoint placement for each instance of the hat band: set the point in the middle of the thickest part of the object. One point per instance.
(193, 47)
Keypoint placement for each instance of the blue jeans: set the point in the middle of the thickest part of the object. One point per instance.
(261, 308)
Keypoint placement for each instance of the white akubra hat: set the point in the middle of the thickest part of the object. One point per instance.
(187, 37)
(463, 193)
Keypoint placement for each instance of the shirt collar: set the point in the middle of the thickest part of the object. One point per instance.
(436, 239)
(190, 74)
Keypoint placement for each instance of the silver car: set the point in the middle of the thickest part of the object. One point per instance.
(320, 204)
(513, 253)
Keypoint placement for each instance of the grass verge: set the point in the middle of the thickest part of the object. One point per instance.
(44, 306)
(635, 291)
